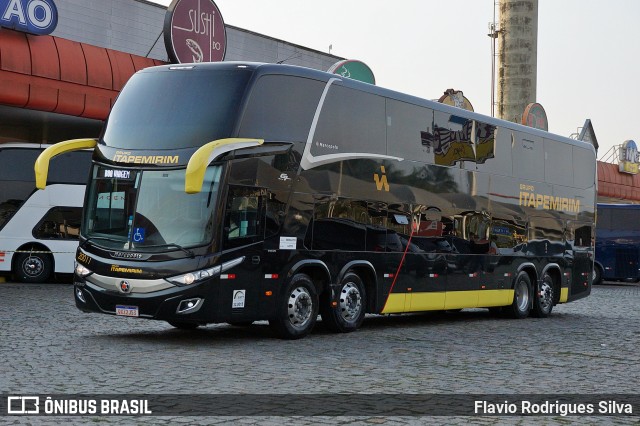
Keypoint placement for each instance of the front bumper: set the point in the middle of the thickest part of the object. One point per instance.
(171, 303)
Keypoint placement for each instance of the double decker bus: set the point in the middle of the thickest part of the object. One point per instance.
(237, 192)
(617, 243)
(39, 230)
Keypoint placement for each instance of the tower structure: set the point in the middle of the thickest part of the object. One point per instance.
(517, 57)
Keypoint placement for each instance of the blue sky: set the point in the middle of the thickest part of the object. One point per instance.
(588, 51)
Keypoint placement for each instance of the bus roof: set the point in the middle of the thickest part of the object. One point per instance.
(268, 68)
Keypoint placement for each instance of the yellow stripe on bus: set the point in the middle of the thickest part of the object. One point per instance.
(564, 294)
(434, 301)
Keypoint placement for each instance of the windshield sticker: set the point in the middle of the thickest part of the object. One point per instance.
(288, 243)
(238, 299)
(114, 200)
(138, 235)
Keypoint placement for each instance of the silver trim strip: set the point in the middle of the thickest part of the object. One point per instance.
(137, 285)
(230, 264)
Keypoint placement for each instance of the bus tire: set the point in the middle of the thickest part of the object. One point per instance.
(183, 325)
(297, 312)
(521, 297)
(348, 315)
(543, 298)
(597, 274)
(33, 267)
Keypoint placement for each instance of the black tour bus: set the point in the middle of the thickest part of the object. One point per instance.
(235, 192)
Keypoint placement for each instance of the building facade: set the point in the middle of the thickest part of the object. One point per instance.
(62, 85)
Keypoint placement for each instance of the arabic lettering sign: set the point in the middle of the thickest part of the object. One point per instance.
(39, 17)
(194, 31)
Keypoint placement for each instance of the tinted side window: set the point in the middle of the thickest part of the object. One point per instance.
(584, 167)
(281, 108)
(17, 164)
(351, 122)
(528, 157)
(340, 225)
(59, 223)
(558, 163)
(406, 125)
(625, 219)
(604, 218)
(70, 167)
(167, 109)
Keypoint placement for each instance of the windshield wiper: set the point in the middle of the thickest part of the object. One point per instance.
(98, 238)
(189, 253)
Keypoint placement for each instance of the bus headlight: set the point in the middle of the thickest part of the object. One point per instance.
(195, 277)
(82, 271)
(203, 274)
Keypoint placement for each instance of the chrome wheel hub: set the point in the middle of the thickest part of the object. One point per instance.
(350, 302)
(300, 307)
(546, 295)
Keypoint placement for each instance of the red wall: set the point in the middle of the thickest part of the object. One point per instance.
(48, 73)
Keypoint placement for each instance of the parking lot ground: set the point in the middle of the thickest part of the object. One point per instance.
(588, 347)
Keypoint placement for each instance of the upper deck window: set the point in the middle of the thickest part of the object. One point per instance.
(169, 109)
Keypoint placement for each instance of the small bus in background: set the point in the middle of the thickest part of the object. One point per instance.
(39, 229)
(617, 243)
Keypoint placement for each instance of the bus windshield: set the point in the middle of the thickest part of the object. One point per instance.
(175, 109)
(149, 210)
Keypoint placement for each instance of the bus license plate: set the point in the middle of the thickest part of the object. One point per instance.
(127, 311)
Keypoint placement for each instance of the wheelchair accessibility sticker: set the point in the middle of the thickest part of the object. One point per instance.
(138, 235)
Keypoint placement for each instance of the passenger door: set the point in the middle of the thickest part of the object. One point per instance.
(243, 230)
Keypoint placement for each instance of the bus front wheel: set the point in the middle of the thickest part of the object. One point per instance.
(521, 296)
(33, 267)
(297, 312)
(349, 313)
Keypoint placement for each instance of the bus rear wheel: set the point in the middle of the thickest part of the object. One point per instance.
(521, 297)
(543, 299)
(33, 267)
(297, 312)
(349, 313)
(597, 275)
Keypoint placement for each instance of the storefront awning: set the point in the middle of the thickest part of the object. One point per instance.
(48, 73)
(620, 186)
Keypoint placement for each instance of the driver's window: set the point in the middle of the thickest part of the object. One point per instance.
(243, 219)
